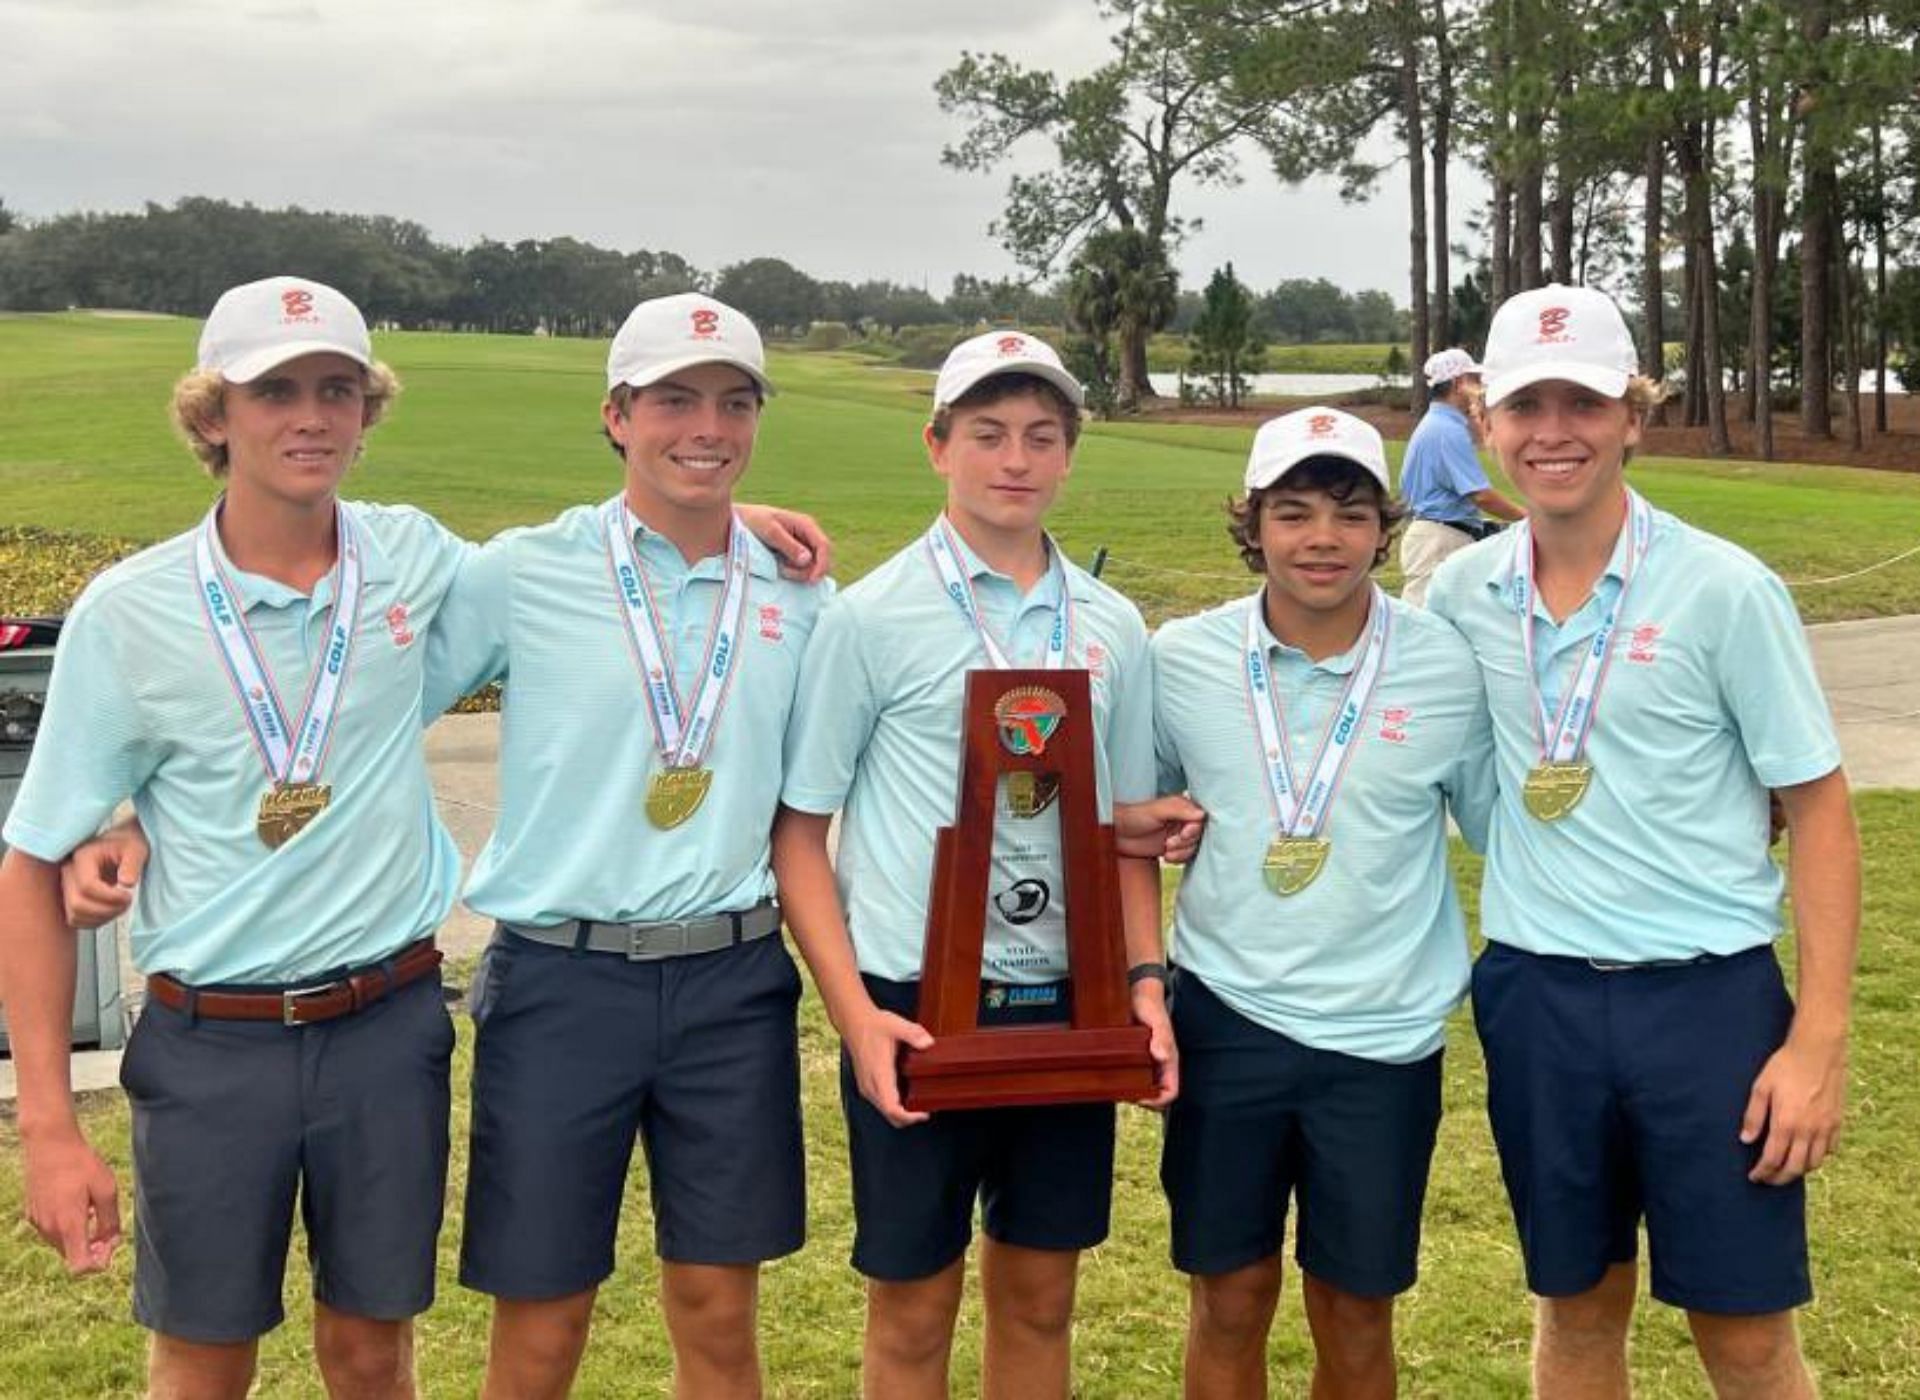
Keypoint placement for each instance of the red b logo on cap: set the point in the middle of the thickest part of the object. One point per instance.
(1322, 425)
(297, 303)
(1012, 345)
(706, 323)
(1553, 323)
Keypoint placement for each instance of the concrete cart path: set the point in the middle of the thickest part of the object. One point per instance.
(1870, 670)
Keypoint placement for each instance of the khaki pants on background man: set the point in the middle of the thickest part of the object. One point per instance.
(1424, 546)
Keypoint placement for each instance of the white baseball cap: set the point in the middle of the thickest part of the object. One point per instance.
(1003, 352)
(668, 334)
(1284, 443)
(1555, 332)
(1448, 365)
(258, 326)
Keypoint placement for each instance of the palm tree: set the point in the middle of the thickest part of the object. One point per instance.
(1121, 285)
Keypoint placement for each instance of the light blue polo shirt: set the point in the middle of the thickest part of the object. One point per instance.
(876, 732)
(1369, 958)
(537, 608)
(1710, 700)
(1441, 469)
(140, 706)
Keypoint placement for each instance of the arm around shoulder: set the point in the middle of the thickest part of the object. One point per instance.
(467, 641)
(1474, 788)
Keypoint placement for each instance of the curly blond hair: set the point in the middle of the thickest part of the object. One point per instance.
(1643, 395)
(200, 403)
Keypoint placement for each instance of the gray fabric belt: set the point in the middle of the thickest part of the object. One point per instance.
(652, 942)
(1652, 964)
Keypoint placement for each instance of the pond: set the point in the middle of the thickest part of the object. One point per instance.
(1303, 386)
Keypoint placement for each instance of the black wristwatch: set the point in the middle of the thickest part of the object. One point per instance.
(1147, 972)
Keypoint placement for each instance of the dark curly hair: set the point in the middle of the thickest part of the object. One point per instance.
(1336, 476)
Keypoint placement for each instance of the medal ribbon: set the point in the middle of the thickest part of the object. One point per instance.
(943, 552)
(1563, 739)
(293, 754)
(1305, 813)
(683, 734)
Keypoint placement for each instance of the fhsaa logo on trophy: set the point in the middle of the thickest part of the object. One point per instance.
(1026, 717)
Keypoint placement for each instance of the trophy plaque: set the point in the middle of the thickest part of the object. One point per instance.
(1034, 727)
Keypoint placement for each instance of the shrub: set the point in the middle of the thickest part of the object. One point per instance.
(924, 347)
(827, 335)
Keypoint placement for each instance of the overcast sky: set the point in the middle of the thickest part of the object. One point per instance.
(802, 129)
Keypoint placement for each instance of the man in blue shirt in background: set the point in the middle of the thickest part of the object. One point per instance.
(1441, 479)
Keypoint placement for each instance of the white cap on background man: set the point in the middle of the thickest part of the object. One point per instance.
(1555, 332)
(1003, 352)
(1449, 365)
(668, 334)
(1284, 443)
(259, 326)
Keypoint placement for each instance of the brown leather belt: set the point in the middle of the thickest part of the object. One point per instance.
(301, 1006)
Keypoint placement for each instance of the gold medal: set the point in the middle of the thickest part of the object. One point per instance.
(1029, 794)
(286, 809)
(1554, 789)
(1294, 862)
(675, 794)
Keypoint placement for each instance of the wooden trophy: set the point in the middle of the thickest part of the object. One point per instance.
(1038, 727)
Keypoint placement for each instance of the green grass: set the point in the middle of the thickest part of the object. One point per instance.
(1328, 359)
(1463, 1329)
(494, 431)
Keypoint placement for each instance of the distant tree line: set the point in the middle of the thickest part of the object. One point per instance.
(1308, 311)
(1742, 172)
(179, 258)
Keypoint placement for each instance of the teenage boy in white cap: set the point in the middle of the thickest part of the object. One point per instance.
(1441, 479)
(637, 984)
(1648, 684)
(1327, 729)
(875, 734)
(254, 686)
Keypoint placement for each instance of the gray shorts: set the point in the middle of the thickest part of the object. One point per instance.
(235, 1120)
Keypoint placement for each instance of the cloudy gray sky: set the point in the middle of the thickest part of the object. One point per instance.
(803, 129)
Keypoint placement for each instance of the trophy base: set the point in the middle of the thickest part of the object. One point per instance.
(1025, 1066)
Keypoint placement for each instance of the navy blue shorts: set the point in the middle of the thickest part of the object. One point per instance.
(1043, 1175)
(1262, 1117)
(579, 1053)
(234, 1119)
(1615, 1095)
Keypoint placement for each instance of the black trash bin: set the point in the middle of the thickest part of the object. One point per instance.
(26, 662)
